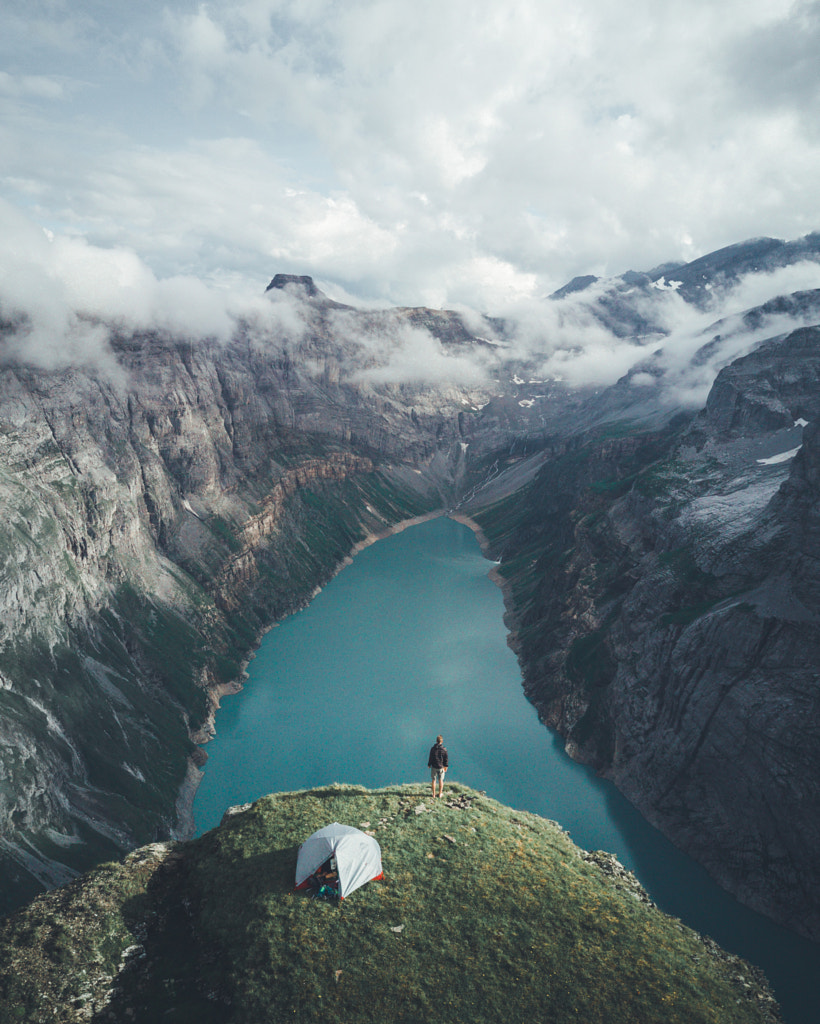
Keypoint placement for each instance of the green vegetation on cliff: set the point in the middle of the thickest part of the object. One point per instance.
(484, 914)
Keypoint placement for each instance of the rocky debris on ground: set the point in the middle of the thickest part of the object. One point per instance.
(750, 980)
(370, 828)
(621, 879)
(462, 802)
(744, 975)
(231, 811)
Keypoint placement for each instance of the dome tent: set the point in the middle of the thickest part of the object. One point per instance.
(358, 856)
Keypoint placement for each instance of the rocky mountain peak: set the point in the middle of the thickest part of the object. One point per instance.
(577, 284)
(304, 287)
(296, 282)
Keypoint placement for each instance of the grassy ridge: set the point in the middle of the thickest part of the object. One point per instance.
(485, 914)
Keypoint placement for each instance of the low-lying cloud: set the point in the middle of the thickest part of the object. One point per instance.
(393, 351)
(699, 343)
(61, 299)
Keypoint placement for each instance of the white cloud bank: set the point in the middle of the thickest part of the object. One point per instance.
(66, 295)
(468, 153)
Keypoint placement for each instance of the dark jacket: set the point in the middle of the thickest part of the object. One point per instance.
(438, 756)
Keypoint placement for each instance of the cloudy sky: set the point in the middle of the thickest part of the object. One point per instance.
(444, 153)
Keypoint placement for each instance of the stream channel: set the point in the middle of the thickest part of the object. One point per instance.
(407, 642)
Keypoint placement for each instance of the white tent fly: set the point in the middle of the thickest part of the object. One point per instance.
(358, 856)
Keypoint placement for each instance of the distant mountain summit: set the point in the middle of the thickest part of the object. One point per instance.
(697, 279)
(294, 281)
(303, 287)
(577, 284)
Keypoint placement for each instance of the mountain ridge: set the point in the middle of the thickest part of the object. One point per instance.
(483, 913)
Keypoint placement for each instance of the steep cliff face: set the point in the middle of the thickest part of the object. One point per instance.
(766, 390)
(154, 519)
(667, 612)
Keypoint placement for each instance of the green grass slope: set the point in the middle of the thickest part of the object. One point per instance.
(484, 914)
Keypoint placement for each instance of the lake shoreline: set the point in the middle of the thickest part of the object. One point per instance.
(185, 827)
(495, 575)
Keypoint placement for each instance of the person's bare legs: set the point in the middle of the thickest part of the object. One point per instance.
(433, 784)
(440, 785)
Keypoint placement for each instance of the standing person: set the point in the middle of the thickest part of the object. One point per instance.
(437, 763)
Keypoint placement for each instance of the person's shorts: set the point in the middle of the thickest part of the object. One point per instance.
(437, 774)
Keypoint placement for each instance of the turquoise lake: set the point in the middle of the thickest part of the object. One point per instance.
(407, 642)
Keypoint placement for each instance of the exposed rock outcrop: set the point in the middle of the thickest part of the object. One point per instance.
(767, 390)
